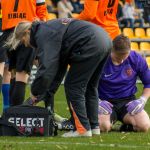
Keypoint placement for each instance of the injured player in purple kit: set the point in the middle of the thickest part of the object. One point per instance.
(117, 88)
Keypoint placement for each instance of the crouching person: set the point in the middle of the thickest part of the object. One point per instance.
(82, 45)
(117, 88)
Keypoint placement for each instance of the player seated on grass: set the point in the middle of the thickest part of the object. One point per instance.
(82, 45)
(117, 88)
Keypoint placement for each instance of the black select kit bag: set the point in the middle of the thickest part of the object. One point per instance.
(27, 121)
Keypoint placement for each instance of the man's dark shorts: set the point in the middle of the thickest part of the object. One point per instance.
(119, 108)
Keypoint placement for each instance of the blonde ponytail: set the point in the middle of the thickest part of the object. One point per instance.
(15, 38)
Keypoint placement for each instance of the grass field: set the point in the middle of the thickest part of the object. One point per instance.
(106, 141)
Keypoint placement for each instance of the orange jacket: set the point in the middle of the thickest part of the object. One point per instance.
(14, 11)
(103, 13)
(0, 11)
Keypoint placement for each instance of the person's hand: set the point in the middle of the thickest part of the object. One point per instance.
(31, 101)
(136, 106)
(105, 107)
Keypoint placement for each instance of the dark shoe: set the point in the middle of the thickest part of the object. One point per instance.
(66, 125)
(126, 128)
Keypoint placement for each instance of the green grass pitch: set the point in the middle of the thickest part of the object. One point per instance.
(106, 141)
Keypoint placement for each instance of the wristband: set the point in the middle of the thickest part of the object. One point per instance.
(143, 99)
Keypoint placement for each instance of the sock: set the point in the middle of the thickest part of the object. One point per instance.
(5, 92)
(12, 85)
(18, 93)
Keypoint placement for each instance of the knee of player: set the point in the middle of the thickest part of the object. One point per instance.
(105, 126)
(144, 127)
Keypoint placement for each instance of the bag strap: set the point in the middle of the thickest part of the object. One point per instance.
(54, 124)
(55, 128)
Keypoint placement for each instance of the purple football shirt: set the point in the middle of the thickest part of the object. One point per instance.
(120, 81)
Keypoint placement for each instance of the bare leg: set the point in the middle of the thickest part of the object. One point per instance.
(104, 123)
(140, 121)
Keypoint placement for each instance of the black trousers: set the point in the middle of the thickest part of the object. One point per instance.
(86, 63)
(81, 91)
(88, 49)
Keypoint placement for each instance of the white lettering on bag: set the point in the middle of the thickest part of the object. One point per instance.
(27, 122)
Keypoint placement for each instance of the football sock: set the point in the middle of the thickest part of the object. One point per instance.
(5, 92)
(18, 93)
(12, 84)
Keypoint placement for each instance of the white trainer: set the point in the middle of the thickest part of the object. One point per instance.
(96, 131)
(77, 134)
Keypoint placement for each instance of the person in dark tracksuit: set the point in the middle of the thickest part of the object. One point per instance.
(82, 45)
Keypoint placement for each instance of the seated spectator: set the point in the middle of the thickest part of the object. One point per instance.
(120, 16)
(64, 9)
(52, 6)
(77, 6)
(131, 16)
(54, 2)
(49, 8)
(117, 88)
(146, 15)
